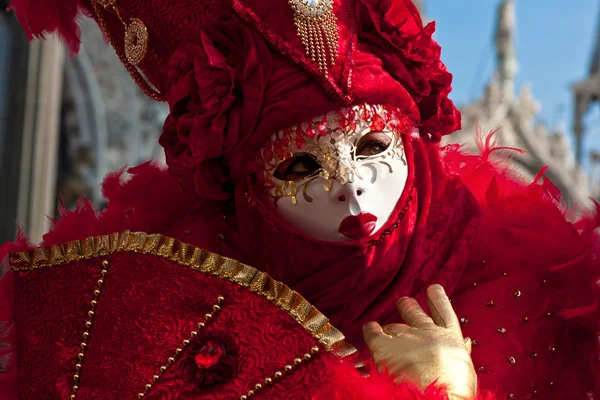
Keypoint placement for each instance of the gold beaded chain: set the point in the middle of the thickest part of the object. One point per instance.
(279, 374)
(88, 327)
(135, 45)
(179, 350)
(89, 323)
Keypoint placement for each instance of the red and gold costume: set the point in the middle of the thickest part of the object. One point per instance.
(186, 286)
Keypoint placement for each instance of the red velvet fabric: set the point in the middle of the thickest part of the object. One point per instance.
(238, 92)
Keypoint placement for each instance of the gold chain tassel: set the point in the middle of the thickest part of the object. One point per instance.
(332, 36)
(311, 40)
(316, 25)
(303, 33)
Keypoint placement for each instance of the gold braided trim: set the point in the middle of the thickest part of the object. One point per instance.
(197, 259)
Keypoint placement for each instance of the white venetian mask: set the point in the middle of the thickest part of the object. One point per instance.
(339, 177)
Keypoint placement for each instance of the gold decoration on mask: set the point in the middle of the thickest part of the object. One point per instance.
(316, 25)
(289, 188)
(334, 149)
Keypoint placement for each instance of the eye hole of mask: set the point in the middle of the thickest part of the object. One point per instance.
(372, 143)
(297, 167)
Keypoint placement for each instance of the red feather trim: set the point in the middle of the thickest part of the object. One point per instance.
(52, 16)
(524, 221)
(488, 144)
(148, 202)
(344, 382)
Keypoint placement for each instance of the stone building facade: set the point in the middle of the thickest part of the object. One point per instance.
(514, 113)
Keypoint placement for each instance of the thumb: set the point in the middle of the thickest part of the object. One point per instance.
(469, 344)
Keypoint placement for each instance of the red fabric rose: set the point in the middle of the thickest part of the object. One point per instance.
(439, 116)
(215, 81)
(394, 32)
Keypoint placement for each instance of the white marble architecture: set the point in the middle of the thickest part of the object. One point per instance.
(501, 107)
(586, 93)
(109, 122)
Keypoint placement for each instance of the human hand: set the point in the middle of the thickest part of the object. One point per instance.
(425, 349)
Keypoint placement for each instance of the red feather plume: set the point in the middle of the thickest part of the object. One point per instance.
(52, 16)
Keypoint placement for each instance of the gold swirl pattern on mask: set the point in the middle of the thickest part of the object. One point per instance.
(197, 259)
(332, 140)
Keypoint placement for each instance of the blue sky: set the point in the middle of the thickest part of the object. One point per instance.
(554, 46)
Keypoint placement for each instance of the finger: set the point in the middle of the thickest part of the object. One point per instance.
(469, 344)
(396, 330)
(371, 332)
(441, 309)
(412, 313)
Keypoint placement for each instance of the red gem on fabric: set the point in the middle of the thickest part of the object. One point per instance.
(268, 154)
(212, 359)
(279, 152)
(377, 124)
(300, 140)
(209, 355)
(322, 127)
(365, 113)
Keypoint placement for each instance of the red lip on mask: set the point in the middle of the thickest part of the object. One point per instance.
(358, 226)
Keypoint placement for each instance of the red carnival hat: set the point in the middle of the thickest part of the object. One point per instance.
(235, 71)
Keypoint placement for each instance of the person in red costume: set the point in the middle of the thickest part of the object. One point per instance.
(306, 189)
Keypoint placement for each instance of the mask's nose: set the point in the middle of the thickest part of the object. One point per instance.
(350, 193)
(357, 193)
